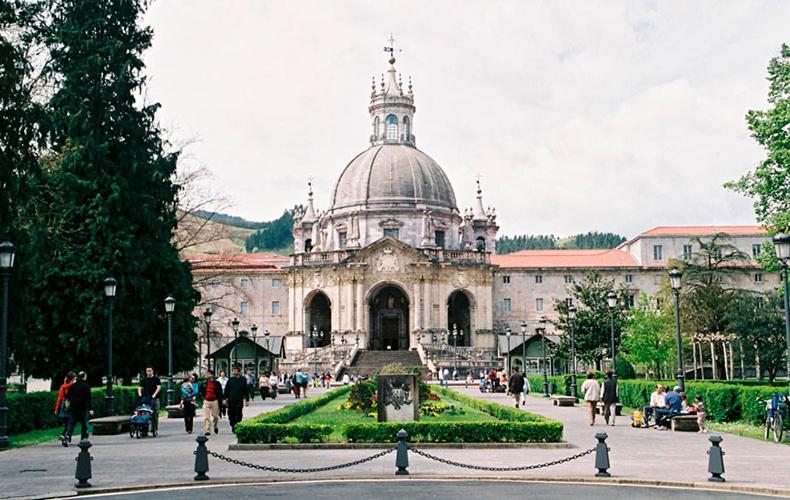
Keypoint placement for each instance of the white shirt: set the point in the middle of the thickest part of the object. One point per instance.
(658, 400)
(591, 390)
(274, 380)
(222, 381)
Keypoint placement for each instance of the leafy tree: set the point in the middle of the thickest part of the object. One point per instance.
(649, 337)
(507, 244)
(593, 240)
(273, 235)
(592, 324)
(758, 322)
(107, 204)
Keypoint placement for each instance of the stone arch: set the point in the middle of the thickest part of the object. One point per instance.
(388, 304)
(318, 313)
(460, 307)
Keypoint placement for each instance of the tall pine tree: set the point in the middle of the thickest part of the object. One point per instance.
(109, 202)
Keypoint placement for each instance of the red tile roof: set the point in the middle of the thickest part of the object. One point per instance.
(238, 261)
(565, 258)
(704, 230)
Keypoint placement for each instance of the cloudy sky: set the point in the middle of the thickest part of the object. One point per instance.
(578, 116)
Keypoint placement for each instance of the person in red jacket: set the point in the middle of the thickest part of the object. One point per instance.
(61, 405)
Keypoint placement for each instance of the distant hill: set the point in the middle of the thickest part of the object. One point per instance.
(590, 240)
(252, 236)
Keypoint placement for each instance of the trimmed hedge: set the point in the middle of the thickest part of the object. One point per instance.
(36, 410)
(515, 425)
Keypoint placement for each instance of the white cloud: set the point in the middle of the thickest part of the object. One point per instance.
(579, 115)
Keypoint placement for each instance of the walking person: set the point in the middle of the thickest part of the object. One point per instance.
(610, 394)
(79, 398)
(274, 381)
(264, 387)
(187, 404)
(527, 389)
(236, 395)
(700, 407)
(251, 383)
(149, 389)
(592, 394)
(62, 405)
(516, 386)
(296, 382)
(211, 393)
(222, 379)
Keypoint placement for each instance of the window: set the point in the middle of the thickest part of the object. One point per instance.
(392, 128)
(438, 238)
(481, 244)
(630, 300)
(629, 278)
(658, 252)
(688, 252)
(506, 279)
(756, 250)
(539, 304)
(275, 307)
(341, 239)
(245, 283)
(276, 282)
(391, 232)
(244, 308)
(376, 124)
(406, 128)
(569, 302)
(758, 277)
(507, 305)
(658, 302)
(568, 279)
(717, 253)
(759, 302)
(538, 279)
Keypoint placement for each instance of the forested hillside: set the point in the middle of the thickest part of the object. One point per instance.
(590, 240)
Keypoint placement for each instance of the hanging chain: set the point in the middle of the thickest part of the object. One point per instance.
(501, 469)
(300, 471)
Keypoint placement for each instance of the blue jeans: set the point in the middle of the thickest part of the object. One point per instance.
(662, 414)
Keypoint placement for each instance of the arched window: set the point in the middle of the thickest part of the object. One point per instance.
(376, 123)
(392, 128)
(406, 128)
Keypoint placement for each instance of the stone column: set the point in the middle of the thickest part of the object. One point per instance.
(349, 305)
(360, 308)
(416, 311)
(428, 304)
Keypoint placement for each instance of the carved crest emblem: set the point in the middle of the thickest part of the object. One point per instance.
(397, 394)
(317, 280)
(460, 279)
(387, 262)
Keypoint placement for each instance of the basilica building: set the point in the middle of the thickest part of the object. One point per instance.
(394, 270)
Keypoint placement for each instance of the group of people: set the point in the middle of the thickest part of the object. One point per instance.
(606, 392)
(666, 404)
(73, 405)
(493, 380)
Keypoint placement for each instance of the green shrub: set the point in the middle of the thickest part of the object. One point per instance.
(362, 396)
(496, 410)
(458, 432)
(277, 433)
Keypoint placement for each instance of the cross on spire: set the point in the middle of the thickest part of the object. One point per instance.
(391, 47)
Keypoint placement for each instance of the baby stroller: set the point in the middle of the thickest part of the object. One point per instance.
(140, 422)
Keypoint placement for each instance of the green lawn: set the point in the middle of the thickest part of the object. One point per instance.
(744, 429)
(35, 437)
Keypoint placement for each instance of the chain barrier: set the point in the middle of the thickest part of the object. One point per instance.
(501, 469)
(301, 471)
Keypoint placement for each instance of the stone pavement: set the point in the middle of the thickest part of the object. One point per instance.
(636, 454)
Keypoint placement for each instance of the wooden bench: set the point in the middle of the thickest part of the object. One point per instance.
(684, 423)
(599, 409)
(174, 411)
(111, 425)
(563, 400)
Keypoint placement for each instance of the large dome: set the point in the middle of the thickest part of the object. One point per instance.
(393, 175)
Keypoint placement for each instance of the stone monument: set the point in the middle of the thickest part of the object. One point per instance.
(398, 398)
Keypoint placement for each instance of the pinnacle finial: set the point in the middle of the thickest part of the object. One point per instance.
(373, 86)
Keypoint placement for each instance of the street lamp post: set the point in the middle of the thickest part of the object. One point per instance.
(315, 336)
(170, 306)
(524, 348)
(508, 333)
(571, 318)
(207, 319)
(611, 301)
(782, 245)
(542, 331)
(674, 278)
(254, 329)
(7, 253)
(109, 292)
(455, 348)
(235, 326)
(269, 365)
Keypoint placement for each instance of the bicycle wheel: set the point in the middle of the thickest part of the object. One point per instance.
(778, 430)
(768, 423)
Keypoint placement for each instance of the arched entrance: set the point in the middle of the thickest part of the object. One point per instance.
(459, 314)
(389, 319)
(318, 316)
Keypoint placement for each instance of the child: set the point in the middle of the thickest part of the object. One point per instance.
(700, 406)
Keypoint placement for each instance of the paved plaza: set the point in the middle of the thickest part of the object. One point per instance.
(637, 455)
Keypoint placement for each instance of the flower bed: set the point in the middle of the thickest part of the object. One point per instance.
(453, 419)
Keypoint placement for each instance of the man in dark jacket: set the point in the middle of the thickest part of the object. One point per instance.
(516, 385)
(610, 396)
(211, 394)
(236, 395)
(79, 398)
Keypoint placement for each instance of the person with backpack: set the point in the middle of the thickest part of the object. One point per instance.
(79, 398)
(296, 382)
(62, 405)
(516, 386)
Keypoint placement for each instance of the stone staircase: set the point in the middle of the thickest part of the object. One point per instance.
(369, 362)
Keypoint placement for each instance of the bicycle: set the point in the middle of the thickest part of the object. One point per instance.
(775, 410)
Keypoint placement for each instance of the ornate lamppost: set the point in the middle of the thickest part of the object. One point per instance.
(571, 318)
(109, 292)
(611, 301)
(315, 336)
(674, 279)
(7, 253)
(542, 331)
(235, 326)
(782, 245)
(455, 348)
(508, 333)
(254, 330)
(207, 320)
(524, 347)
(170, 306)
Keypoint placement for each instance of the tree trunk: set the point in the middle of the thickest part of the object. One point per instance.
(715, 375)
(757, 367)
(726, 361)
(732, 361)
(740, 349)
(694, 358)
(701, 358)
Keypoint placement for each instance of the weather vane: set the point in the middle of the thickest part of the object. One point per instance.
(391, 47)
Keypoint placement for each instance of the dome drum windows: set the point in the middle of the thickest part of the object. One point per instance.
(392, 128)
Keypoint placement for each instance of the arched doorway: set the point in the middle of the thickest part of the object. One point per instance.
(389, 319)
(318, 316)
(459, 314)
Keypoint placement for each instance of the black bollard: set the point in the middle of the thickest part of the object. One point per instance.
(602, 455)
(402, 458)
(83, 459)
(716, 460)
(201, 459)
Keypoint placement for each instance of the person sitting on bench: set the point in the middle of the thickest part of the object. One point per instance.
(673, 407)
(657, 400)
